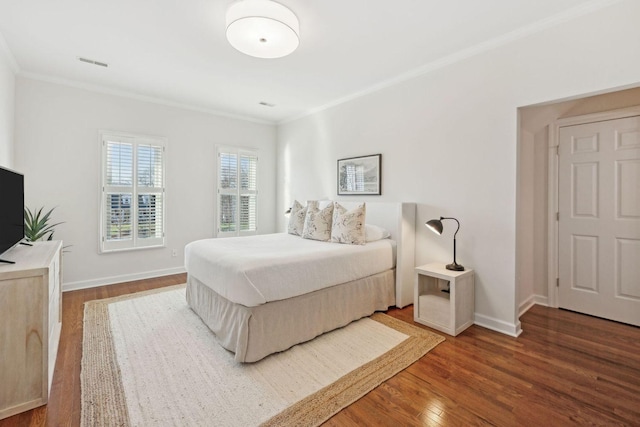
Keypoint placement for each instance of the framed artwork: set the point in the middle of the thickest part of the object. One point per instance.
(360, 176)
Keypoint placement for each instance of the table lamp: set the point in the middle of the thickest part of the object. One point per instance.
(435, 225)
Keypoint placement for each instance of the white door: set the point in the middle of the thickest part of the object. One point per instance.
(599, 224)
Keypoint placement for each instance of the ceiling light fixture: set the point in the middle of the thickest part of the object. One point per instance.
(262, 28)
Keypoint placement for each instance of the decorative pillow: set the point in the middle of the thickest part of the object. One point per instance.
(373, 233)
(317, 223)
(296, 218)
(348, 226)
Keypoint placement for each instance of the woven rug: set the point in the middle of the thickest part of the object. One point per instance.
(148, 360)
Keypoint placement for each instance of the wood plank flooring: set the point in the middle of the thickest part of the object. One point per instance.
(565, 369)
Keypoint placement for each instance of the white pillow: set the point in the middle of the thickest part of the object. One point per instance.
(348, 226)
(373, 233)
(296, 218)
(317, 223)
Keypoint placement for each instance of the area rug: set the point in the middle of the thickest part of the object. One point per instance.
(148, 360)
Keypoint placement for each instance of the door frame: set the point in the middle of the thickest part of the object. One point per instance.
(553, 193)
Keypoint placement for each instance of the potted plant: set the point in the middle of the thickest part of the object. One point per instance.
(36, 225)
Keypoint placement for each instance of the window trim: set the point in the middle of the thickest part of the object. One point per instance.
(239, 151)
(135, 139)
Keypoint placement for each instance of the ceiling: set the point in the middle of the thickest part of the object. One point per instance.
(175, 51)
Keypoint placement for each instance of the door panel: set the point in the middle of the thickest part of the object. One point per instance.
(584, 263)
(628, 268)
(627, 179)
(599, 224)
(584, 180)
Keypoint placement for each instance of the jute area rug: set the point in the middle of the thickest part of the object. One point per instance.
(148, 360)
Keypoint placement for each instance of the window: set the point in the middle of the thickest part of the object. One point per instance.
(133, 194)
(237, 192)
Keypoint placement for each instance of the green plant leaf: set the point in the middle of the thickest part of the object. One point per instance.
(36, 225)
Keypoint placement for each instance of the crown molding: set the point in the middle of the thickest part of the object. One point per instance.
(138, 97)
(463, 54)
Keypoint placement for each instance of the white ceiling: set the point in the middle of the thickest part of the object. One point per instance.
(175, 51)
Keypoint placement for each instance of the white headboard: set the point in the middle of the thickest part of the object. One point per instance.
(400, 219)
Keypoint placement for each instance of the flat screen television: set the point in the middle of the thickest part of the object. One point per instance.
(11, 209)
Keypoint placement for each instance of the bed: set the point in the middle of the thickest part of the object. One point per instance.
(264, 294)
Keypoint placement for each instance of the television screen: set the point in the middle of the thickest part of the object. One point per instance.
(11, 209)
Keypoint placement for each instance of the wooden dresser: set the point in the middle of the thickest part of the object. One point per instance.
(30, 324)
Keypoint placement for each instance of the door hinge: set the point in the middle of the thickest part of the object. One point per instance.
(557, 216)
(557, 282)
(558, 150)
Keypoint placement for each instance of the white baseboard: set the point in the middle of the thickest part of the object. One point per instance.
(498, 325)
(526, 305)
(541, 300)
(531, 301)
(85, 284)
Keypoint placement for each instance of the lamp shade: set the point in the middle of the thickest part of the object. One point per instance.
(262, 28)
(434, 225)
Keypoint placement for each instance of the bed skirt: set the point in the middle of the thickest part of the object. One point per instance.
(253, 333)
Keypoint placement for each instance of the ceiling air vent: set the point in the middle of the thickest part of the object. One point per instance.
(91, 61)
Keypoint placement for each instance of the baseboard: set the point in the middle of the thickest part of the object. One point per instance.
(541, 300)
(531, 301)
(85, 284)
(497, 325)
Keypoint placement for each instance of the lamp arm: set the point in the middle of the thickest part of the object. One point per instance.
(457, 229)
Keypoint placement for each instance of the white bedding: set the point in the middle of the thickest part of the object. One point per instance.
(258, 269)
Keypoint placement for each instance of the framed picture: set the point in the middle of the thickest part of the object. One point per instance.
(360, 176)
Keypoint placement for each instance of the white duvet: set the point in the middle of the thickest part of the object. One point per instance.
(257, 269)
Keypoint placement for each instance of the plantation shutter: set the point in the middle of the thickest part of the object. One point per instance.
(132, 213)
(248, 191)
(237, 192)
(150, 193)
(228, 192)
(118, 191)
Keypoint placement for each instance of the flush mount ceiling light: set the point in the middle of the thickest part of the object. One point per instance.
(262, 28)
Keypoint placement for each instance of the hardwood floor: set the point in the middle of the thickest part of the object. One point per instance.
(565, 369)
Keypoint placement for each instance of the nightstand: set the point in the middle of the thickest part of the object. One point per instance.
(443, 299)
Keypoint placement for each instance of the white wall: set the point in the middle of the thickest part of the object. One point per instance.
(58, 150)
(540, 216)
(525, 217)
(449, 137)
(7, 102)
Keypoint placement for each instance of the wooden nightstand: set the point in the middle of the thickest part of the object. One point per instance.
(450, 312)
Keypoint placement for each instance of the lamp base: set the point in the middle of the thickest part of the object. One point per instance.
(455, 267)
